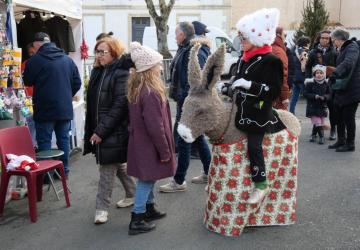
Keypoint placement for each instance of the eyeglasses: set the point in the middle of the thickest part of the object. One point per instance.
(100, 52)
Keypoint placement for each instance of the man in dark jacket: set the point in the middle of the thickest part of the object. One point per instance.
(179, 78)
(300, 56)
(291, 66)
(56, 80)
(323, 53)
(346, 99)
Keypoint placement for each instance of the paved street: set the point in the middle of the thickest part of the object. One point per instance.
(328, 211)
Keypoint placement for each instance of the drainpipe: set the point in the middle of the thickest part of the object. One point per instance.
(340, 11)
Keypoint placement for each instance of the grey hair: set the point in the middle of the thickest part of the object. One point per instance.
(340, 34)
(188, 29)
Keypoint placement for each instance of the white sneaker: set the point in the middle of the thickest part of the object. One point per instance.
(257, 195)
(101, 216)
(126, 202)
(172, 187)
(201, 179)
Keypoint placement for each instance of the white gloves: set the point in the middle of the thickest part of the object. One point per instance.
(242, 83)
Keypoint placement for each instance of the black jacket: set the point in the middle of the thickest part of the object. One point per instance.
(318, 56)
(107, 112)
(299, 76)
(291, 67)
(316, 107)
(56, 80)
(255, 112)
(179, 66)
(26, 29)
(61, 33)
(348, 58)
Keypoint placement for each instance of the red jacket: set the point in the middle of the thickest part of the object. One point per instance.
(28, 89)
(279, 50)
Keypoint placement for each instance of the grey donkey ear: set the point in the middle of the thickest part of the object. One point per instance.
(194, 70)
(214, 67)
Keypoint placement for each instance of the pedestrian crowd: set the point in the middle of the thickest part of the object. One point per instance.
(328, 76)
(128, 126)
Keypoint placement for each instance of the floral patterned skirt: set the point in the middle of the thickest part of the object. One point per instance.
(230, 185)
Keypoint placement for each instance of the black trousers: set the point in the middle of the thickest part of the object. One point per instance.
(345, 120)
(256, 156)
(332, 115)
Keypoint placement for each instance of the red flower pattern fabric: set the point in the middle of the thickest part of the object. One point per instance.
(227, 212)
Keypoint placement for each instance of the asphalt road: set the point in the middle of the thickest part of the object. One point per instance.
(328, 211)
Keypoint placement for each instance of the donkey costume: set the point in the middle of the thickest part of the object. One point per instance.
(227, 211)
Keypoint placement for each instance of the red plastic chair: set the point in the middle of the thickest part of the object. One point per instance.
(17, 140)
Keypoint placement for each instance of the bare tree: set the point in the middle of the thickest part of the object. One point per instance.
(161, 20)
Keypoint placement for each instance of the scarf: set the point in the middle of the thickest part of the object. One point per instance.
(259, 51)
(323, 49)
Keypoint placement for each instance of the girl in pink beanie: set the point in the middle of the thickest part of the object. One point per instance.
(151, 149)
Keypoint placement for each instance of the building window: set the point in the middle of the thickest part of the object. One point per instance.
(138, 25)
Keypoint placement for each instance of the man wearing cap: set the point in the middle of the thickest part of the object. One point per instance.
(56, 80)
(200, 28)
(185, 32)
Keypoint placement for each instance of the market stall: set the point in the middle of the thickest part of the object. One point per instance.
(19, 21)
(51, 13)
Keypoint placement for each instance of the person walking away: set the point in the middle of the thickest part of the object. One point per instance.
(151, 150)
(317, 94)
(179, 77)
(55, 79)
(291, 67)
(300, 58)
(106, 124)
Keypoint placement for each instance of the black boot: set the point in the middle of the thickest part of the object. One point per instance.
(348, 147)
(340, 142)
(321, 135)
(138, 225)
(313, 134)
(152, 213)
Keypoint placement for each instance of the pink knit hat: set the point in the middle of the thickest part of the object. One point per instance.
(144, 57)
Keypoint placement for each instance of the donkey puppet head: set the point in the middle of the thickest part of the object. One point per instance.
(201, 109)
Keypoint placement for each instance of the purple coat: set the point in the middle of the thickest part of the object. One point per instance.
(150, 138)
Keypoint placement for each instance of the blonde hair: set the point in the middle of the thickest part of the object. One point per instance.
(146, 79)
(116, 48)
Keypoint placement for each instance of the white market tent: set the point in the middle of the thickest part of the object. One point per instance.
(69, 8)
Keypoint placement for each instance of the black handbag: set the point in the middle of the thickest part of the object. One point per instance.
(341, 84)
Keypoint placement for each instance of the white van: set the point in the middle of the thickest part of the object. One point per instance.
(216, 35)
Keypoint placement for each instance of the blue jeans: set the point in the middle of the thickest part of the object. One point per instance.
(184, 151)
(44, 132)
(144, 195)
(296, 90)
(31, 125)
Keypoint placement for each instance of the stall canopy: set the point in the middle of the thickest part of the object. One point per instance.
(69, 8)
